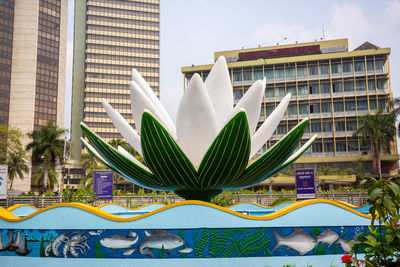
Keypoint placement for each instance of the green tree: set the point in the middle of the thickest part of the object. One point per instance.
(89, 163)
(10, 141)
(47, 148)
(48, 178)
(16, 162)
(379, 131)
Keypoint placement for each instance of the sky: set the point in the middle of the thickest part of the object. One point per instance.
(191, 31)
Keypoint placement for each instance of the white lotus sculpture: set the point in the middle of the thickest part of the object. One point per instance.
(209, 148)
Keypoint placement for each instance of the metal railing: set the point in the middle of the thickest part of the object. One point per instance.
(355, 198)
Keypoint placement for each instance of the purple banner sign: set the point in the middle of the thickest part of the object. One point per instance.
(305, 183)
(103, 184)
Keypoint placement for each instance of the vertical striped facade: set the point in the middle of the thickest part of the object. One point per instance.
(111, 38)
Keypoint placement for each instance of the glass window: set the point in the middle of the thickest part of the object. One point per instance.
(313, 89)
(370, 65)
(313, 70)
(258, 75)
(350, 105)
(326, 107)
(262, 113)
(279, 74)
(347, 67)
(337, 87)
(269, 75)
(324, 69)
(301, 71)
(303, 109)
(269, 91)
(292, 90)
(360, 85)
(237, 94)
(328, 146)
(351, 125)
(290, 74)
(303, 90)
(352, 145)
(316, 127)
(379, 65)
(247, 76)
(348, 86)
(269, 110)
(336, 68)
(327, 126)
(362, 105)
(237, 76)
(317, 147)
(382, 84)
(292, 109)
(281, 91)
(371, 85)
(341, 146)
(325, 88)
(359, 66)
(340, 126)
(338, 107)
(315, 108)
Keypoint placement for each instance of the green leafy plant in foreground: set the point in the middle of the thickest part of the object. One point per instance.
(381, 243)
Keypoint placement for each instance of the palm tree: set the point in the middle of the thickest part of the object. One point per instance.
(47, 147)
(16, 162)
(89, 163)
(40, 175)
(122, 143)
(379, 131)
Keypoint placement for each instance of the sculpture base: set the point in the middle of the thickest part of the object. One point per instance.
(205, 195)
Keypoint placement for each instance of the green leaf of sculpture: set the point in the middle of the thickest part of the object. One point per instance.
(164, 157)
(228, 155)
(126, 167)
(271, 160)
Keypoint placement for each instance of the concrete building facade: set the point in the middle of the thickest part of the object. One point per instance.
(33, 62)
(111, 38)
(329, 84)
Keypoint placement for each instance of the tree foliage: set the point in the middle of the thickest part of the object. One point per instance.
(378, 131)
(47, 147)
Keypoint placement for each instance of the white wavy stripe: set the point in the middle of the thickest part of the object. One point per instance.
(266, 130)
(251, 102)
(138, 78)
(130, 135)
(140, 102)
(132, 158)
(302, 148)
(89, 146)
(219, 88)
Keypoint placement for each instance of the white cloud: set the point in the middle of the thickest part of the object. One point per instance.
(392, 12)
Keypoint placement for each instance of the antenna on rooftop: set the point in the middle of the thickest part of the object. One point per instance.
(323, 33)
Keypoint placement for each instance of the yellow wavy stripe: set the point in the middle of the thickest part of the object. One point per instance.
(351, 205)
(7, 216)
(261, 206)
(13, 207)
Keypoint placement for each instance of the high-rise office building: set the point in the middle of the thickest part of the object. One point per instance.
(32, 66)
(329, 84)
(111, 38)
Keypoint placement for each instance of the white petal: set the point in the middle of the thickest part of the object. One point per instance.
(140, 102)
(219, 88)
(251, 102)
(132, 158)
(302, 148)
(136, 77)
(196, 124)
(268, 127)
(127, 132)
(94, 151)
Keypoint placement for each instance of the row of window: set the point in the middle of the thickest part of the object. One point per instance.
(123, 49)
(124, 21)
(123, 39)
(142, 4)
(125, 12)
(124, 58)
(123, 30)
